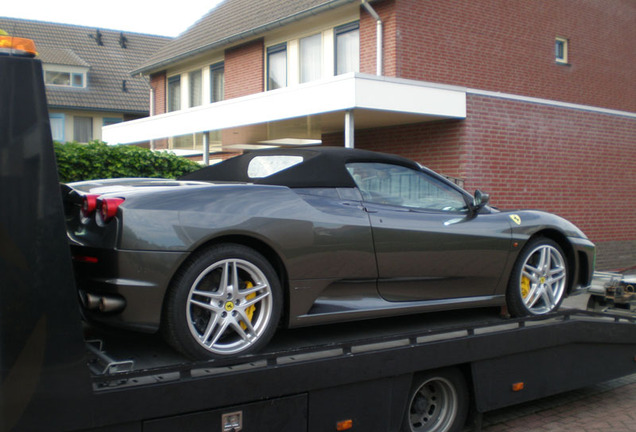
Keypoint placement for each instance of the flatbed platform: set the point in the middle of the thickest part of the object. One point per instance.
(150, 351)
(149, 356)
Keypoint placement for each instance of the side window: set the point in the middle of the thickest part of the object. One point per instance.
(347, 46)
(82, 129)
(196, 88)
(217, 82)
(265, 166)
(397, 185)
(57, 126)
(277, 67)
(174, 93)
(310, 58)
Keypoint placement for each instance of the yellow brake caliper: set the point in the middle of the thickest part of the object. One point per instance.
(525, 286)
(250, 310)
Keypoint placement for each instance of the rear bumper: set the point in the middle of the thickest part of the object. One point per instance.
(134, 281)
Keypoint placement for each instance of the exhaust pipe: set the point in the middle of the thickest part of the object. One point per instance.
(89, 301)
(102, 303)
(111, 304)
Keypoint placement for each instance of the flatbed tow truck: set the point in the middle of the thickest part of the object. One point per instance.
(425, 372)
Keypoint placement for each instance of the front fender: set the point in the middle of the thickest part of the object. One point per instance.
(579, 250)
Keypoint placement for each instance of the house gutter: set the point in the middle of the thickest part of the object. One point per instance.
(378, 36)
(242, 36)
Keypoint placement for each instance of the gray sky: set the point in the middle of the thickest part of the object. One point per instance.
(140, 16)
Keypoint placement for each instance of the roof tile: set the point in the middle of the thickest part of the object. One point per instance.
(229, 22)
(110, 64)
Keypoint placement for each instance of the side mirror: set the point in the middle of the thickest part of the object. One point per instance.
(480, 200)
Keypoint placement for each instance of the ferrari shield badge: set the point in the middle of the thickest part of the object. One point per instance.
(516, 219)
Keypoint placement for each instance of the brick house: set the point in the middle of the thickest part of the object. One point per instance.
(86, 72)
(532, 101)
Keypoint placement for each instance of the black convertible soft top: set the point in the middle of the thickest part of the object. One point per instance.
(320, 167)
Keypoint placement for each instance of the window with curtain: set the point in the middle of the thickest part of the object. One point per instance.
(82, 129)
(57, 127)
(67, 79)
(174, 93)
(217, 82)
(311, 58)
(277, 66)
(196, 88)
(57, 78)
(347, 48)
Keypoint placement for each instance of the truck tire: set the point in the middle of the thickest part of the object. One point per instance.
(438, 402)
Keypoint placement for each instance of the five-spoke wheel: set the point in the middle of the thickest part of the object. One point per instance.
(539, 279)
(224, 301)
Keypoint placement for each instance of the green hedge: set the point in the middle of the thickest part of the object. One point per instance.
(97, 160)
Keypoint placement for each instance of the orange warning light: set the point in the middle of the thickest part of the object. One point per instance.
(16, 45)
(344, 425)
(517, 386)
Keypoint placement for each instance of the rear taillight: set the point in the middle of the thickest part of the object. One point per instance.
(85, 259)
(89, 204)
(108, 208)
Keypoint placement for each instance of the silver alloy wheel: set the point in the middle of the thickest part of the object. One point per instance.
(543, 277)
(229, 306)
(433, 406)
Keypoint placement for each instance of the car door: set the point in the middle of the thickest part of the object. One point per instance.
(429, 244)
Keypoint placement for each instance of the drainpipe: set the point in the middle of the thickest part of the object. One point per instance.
(378, 36)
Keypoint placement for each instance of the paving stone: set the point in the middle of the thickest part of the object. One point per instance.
(606, 407)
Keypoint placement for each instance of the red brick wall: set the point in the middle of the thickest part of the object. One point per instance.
(244, 73)
(570, 162)
(368, 41)
(436, 144)
(158, 85)
(508, 46)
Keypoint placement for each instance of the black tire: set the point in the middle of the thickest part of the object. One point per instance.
(438, 402)
(207, 316)
(538, 282)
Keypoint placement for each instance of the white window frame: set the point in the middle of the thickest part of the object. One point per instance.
(319, 68)
(561, 56)
(60, 119)
(273, 50)
(214, 70)
(72, 72)
(328, 52)
(90, 124)
(343, 30)
(171, 94)
(191, 92)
